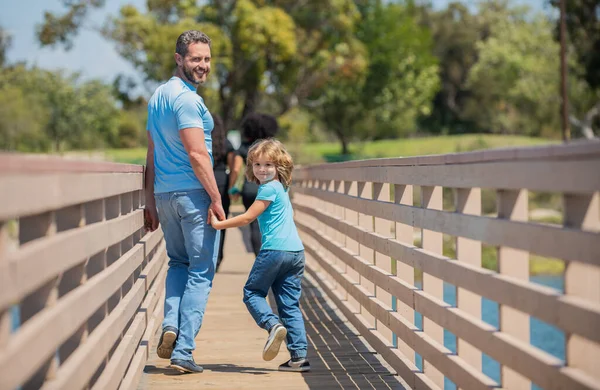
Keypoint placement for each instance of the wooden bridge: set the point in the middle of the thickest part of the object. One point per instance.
(81, 284)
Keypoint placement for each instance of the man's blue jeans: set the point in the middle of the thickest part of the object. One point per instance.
(192, 247)
(282, 272)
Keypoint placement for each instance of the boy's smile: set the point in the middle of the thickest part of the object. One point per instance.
(264, 169)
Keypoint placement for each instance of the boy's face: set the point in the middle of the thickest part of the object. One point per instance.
(264, 169)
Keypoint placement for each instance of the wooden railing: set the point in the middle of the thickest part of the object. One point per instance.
(79, 278)
(358, 219)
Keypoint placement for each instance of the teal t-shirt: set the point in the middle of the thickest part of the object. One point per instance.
(175, 106)
(277, 221)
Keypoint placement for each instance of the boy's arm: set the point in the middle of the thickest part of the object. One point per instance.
(257, 208)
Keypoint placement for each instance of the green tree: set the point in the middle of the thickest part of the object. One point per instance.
(515, 81)
(388, 80)
(455, 30)
(64, 112)
(275, 49)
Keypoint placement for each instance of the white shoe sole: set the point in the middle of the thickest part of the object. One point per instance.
(183, 370)
(272, 348)
(300, 369)
(165, 349)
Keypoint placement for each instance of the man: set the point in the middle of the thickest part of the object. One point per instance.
(180, 189)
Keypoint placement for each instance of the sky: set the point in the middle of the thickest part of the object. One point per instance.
(91, 55)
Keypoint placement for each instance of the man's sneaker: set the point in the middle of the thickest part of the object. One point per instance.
(276, 336)
(166, 342)
(185, 366)
(301, 365)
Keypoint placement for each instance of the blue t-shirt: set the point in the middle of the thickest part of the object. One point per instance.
(277, 221)
(174, 106)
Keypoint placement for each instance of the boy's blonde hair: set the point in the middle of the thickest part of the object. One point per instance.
(272, 150)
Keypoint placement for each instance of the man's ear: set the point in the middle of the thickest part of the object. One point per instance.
(178, 59)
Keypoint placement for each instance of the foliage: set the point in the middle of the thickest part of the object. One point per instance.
(45, 110)
(515, 81)
(351, 70)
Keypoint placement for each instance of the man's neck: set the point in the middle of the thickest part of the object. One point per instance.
(179, 74)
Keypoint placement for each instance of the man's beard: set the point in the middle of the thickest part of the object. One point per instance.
(189, 74)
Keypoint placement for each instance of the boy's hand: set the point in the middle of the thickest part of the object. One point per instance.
(212, 220)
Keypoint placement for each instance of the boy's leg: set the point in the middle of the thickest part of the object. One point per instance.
(202, 242)
(263, 273)
(287, 290)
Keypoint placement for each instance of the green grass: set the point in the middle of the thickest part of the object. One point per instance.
(330, 151)
(129, 156)
(422, 146)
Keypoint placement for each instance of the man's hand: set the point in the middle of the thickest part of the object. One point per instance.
(217, 210)
(150, 219)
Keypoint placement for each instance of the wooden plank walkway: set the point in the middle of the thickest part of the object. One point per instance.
(229, 345)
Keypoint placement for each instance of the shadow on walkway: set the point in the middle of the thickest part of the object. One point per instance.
(339, 358)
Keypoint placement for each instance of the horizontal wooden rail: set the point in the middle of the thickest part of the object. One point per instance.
(355, 239)
(37, 193)
(552, 241)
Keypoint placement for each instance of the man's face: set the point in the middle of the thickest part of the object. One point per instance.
(195, 66)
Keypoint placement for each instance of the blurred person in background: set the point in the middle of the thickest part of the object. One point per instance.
(255, 126)
(227, 166)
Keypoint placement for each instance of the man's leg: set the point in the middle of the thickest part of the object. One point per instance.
(201, 242)
(176, 274)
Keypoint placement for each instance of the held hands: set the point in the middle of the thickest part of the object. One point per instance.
(213, 221)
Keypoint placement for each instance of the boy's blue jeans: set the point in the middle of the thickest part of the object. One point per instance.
(192, 247)
(282, 272)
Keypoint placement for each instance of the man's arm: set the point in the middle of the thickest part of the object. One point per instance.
(256, 209)
(150, 213)
(193, 141)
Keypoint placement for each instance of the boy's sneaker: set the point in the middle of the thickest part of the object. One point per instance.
(276, 336)
(166, 342)
(186, 366)
(300, 365)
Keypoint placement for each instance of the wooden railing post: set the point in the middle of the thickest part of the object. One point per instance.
(403, 194)
(5, 315)
(351, 217)
(468, 201)
(365, 191)
(513, 205)
(381, 192)
(582, 280)
(431, 198)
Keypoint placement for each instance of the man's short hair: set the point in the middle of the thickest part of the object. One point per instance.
(187, 38)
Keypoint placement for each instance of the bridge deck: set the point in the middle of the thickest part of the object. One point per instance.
(229, 345)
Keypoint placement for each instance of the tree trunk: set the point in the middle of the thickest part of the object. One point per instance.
(343, 140)
(251, 102)
(344, 145)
